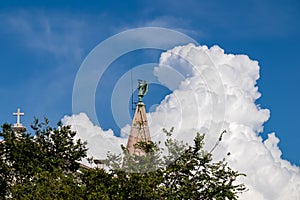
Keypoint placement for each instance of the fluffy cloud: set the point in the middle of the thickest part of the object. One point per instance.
(99, 142)
(218, 91)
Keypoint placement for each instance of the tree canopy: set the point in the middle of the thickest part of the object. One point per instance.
(46, 165)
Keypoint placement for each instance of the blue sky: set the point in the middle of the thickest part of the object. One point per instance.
(43, 44)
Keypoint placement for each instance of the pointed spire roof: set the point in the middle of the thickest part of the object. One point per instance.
(139, 129)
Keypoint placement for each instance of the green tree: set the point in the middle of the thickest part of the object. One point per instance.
(45, 165)
(186, 172)
(194, 175)
(42, 166)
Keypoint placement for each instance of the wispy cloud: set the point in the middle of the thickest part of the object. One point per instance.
(57, 34)
(55, 44)
(259, 19)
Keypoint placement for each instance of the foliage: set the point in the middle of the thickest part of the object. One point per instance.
(39, 164)
(193, 175)
(45, 166)
(185, 172)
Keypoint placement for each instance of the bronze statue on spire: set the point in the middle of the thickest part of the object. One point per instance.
(139, 131)
(143, 89)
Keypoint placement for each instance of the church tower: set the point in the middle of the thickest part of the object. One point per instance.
(139, 129)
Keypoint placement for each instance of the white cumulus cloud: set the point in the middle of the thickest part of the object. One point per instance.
(99, 142)
(218, 91)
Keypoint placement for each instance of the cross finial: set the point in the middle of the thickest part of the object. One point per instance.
(18, 114)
